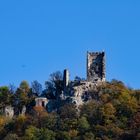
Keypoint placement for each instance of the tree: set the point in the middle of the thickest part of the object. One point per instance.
(36, 88)
(77, 79)
(50, 121)
(46, 134)
(91, 111)
(83, 125)
(32, 133)
(11, 137)
(54, 86)
(89, 136)
(135, 123)
(137, 95)
(5, 96)
(20, 124)
(126, 105)
(108, 113)
(24, 86)
(21, 97)
(68, 111)
(63, 135)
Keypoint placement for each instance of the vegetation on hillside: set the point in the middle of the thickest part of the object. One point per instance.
(114, 115)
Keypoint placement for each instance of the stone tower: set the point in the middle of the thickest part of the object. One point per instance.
(96, 66)
(66, 78)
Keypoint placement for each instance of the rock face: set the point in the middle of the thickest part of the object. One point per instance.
(96, 66)
(9, 111)
(81, 92)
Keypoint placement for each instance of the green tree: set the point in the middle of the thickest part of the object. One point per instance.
(54, 86)
(63, 135)
(107, 111)
(89, 136)
(83, 125)
(50, 121)
(24, 86)
(20, 125)
(11, 137)
(21, 98)
(32, 133)
(5, 96)
(46, 134)
(36, 88)
(68, 111)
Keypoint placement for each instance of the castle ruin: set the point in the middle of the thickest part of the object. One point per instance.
(79, 91)
(96, 66)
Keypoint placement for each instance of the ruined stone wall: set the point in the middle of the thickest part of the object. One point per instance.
(7, 111)
(41, 102)
(96, 66)
(80, 93)
(66, 78)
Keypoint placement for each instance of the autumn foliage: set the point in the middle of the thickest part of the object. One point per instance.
(114, 115)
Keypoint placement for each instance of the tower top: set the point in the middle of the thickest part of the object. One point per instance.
(96, 66)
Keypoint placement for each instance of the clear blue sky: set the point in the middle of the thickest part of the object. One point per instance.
(38, 37)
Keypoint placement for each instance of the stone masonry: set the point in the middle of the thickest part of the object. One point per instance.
(66, 78)
(96, 66)
(95, 77)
